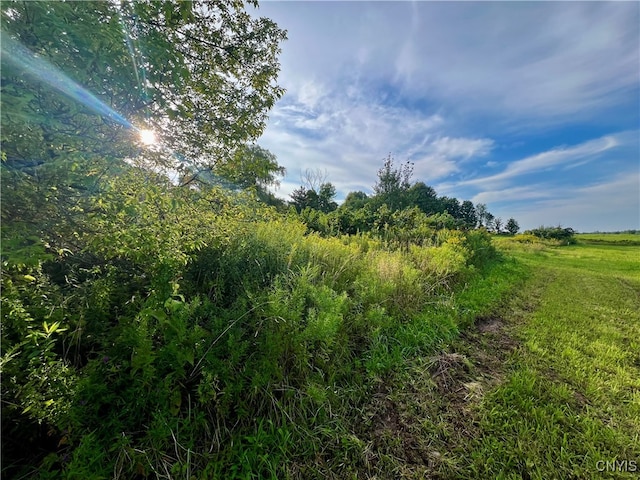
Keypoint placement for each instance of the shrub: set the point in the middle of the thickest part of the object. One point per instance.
(564, 236)
(526, 238)
(480, 247)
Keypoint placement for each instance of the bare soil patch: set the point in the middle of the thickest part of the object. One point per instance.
(423, 418)
(489, 324)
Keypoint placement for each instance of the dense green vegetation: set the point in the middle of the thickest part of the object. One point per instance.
(199, 331)
(562, 235)
(396, 205)
(181, 336)
(165, 316)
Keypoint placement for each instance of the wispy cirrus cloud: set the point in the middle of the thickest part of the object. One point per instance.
(548, 59)
(515, 194)
(529, 59)
(463, 148)
(561, 156)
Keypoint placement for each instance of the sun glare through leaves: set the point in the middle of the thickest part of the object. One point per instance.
(148, 137)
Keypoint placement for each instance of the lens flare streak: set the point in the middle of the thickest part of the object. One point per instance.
(132, 54)
(40, 69)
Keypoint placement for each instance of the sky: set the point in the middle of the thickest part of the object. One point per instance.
(532, 108)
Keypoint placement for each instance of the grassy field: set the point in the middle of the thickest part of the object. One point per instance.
(546, 387)
(609, 238)
(571, 400)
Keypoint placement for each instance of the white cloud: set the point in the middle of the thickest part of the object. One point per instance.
(514, 194)
(310, 93)
(463, 148)
(528, 59)
(350, 138)
(561, 156)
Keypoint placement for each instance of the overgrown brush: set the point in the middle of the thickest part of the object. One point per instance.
(181, 334)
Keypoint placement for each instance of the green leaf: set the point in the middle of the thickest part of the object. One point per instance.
(158, 314)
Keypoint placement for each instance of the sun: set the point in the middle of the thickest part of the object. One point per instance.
(148, 137)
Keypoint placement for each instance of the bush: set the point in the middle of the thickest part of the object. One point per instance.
(564, 236)
(480, 246)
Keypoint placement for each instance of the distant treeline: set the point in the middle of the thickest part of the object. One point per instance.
(621, 232)
(396, 205)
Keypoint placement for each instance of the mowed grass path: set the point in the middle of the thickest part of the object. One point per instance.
(569, 404)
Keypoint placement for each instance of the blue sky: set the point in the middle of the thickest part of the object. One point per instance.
(531, 108)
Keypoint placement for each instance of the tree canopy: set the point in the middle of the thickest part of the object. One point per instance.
(251, 166)
(393, 183)
(398, 208)
(81, 79)
(512, 226)
(201, 74)
(321, 200)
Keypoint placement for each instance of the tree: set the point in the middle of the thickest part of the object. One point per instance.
(497, 223)
(201, 73)
(564, 235)
(251, 166)
(268, 198)
(393, 184)
(443, 220)
(80, 78)
(321, 200)
(315, 193)
(56, 148)
(468, 214)
(302, 198)
(355, 201)
(325, 198)
(314, 179)
(353, 220)
(512, 226)
(481, 214)
(450, 205)
(425, 198)
(489, 221)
